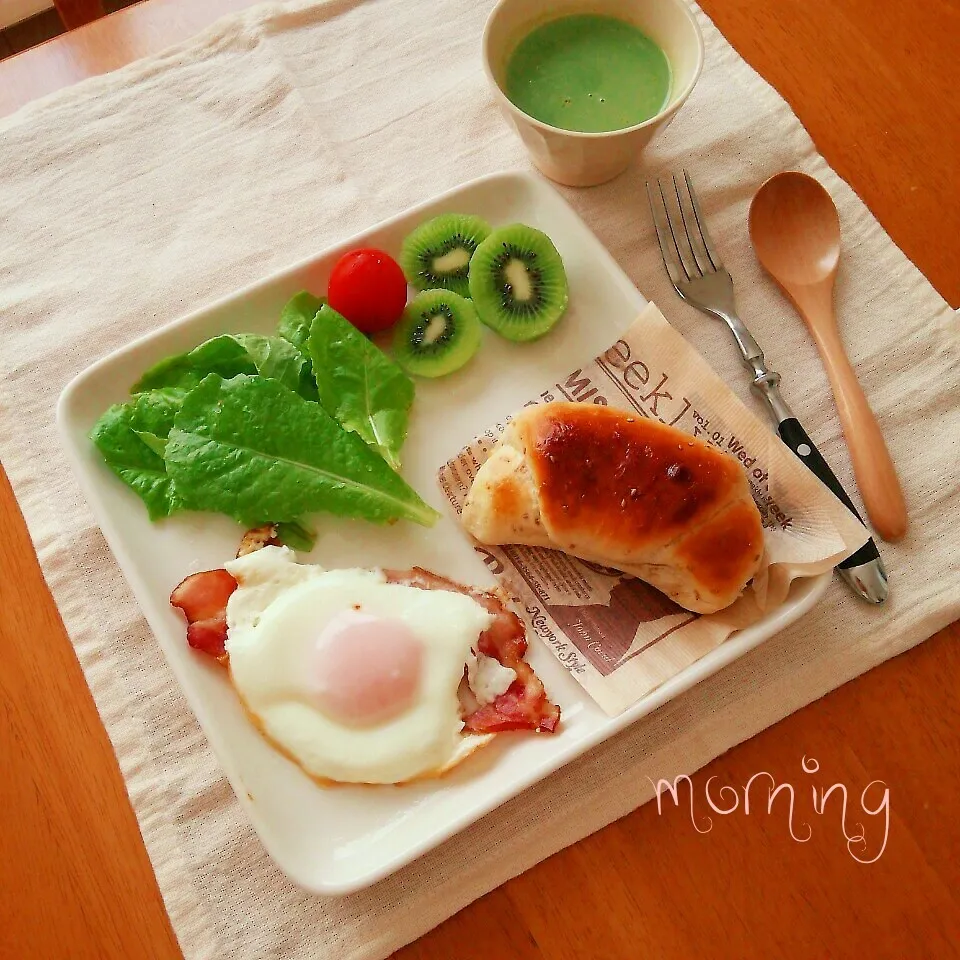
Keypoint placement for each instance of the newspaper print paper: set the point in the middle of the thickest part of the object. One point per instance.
(619, 637)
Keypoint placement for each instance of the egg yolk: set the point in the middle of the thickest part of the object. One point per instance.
(366, 669)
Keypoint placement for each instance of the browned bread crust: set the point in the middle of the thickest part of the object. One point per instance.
(619, 489)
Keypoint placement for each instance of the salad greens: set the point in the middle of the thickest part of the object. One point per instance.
(297, 318)
(296, 536)
(230, 356)
(253, 449)
(359, 385)
(121, 435)
(269, 428)
(175, 375)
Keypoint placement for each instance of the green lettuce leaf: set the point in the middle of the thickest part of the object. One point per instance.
(359, 385)
(174, 374)
(154, 412)
(296, 537)
(279, 359)
(157, 444)
(256, 451)
(225, 355)
(229, 356)
(296, 318)
(121, 436)
(294, 327)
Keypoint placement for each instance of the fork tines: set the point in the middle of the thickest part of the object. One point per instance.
(685, 244)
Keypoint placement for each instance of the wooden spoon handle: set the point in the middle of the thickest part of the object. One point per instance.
(874, 469)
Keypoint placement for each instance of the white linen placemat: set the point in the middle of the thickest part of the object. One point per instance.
(135, 197)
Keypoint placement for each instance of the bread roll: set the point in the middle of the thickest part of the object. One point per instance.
(618, 489)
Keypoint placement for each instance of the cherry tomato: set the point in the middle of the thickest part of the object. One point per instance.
(369, 289)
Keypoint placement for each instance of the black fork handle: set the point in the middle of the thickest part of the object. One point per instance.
(795, 437)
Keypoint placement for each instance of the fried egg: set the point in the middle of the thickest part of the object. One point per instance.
(354, 678)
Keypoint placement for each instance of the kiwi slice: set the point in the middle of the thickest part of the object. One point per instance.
(437, 254)
(437, 334)
(517, 282)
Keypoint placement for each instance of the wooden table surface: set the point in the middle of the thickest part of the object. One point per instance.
(875, 84)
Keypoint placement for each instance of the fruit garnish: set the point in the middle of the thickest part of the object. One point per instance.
(438, 333)
(368, 288)
(517, 282)
(437, 254)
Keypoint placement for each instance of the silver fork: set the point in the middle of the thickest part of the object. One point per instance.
(698, 275)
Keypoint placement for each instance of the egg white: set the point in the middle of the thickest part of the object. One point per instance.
(273, 620)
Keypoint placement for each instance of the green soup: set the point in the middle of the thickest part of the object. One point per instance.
(589, 73)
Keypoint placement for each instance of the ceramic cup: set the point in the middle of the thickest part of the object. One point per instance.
(586, 159)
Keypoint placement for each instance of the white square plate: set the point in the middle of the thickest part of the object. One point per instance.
(340, 839)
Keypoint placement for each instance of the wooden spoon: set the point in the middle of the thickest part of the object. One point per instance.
(795, 231)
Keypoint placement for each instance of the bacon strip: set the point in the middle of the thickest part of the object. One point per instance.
(257, 538)
(203, 599)
(524, 704)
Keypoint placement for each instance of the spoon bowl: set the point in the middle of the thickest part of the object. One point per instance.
(795, 230)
